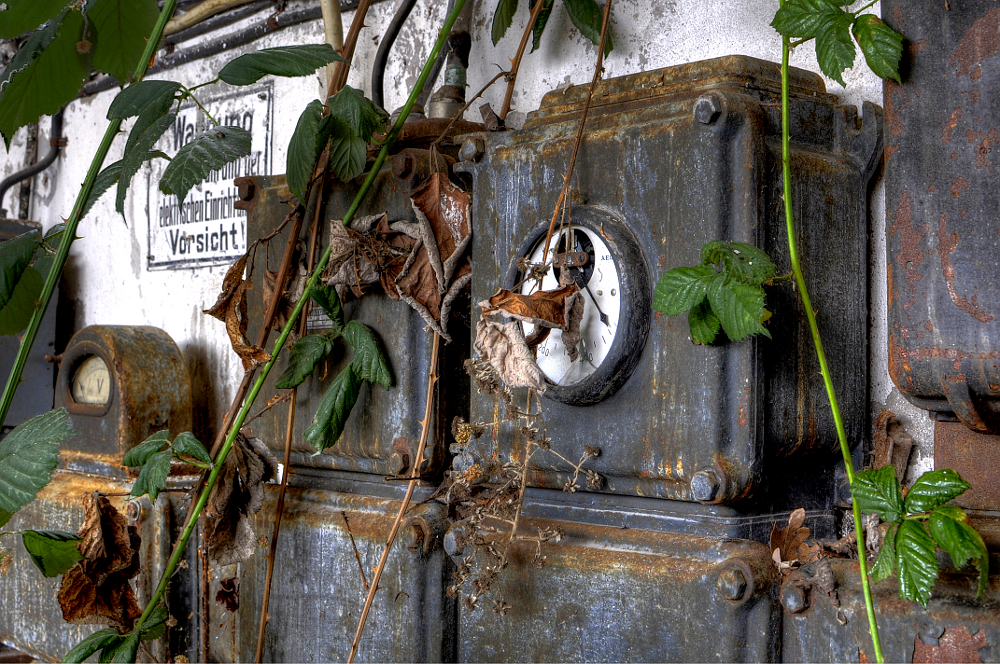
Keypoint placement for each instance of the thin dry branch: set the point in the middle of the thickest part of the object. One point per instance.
(515, 64)
(339, 77)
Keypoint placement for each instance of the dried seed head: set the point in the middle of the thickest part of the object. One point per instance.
(591, 452)
(544, 443)
(570, 486)
(501, 607)
(538, 561)
(6, 560)
(594, 481)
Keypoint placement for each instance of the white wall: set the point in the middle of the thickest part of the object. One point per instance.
(108, 276)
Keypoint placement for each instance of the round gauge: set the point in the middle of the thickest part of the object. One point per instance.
(92, 382)
(607, 265)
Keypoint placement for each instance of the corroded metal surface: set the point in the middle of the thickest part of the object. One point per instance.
(942, 195)
(976, 457)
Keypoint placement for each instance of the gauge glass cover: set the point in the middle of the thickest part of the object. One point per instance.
(92, 382)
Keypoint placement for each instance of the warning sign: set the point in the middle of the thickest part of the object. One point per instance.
(207, 229)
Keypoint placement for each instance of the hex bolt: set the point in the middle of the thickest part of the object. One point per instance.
(416, 534)
(456, 539)
(472, 149)
(705, 486)
(707, 109)
(247, 189)
(732, 584)
(793, 598)
(402, 165)
(136, 510)
(399, 463)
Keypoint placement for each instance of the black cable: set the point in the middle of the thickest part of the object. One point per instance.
(216, 22)
(55, 135)
(382, 55)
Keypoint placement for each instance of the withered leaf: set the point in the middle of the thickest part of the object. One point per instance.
(545, 308)
(229, 594)
(96, 590)
(350, 249)
(238, 494)
(504, 347)
(231, 307)
(789, 545)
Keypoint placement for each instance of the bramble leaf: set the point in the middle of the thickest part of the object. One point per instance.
(122, 28)
(186, 443)
(539, 27)
(155, 626)
(14, 317)
(805, 18)
(15, 256)
(681, 288)
(126, 652)
(108, 176)
(104, 639)
(138, 455)
(145, 133)
(29, 50)
(961, 541)
(588, 18)
(327, 298)
(915, 560)
(207, 152)
(28, 455)
(369, 359)
(306, 144)
(739, 261)
(363, 116)
(24, 15)
(503, 16)
(52, 551)
(148, 98)
(739, 308)
(933, 489)
(301, 60)
(877, 492)
(304, 356)
(334, 409)
(704, 324)
(881, 45)
(835, 50)
(885, 564)
(348, 153)
(153, 475)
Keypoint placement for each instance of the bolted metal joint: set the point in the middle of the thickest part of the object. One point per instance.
(457, 539)
(706, 486)
(472, 149)
(402, 165)
(793, 598)
(732, 584)
(707, 109)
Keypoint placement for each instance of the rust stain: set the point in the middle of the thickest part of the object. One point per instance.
(910, 255)
(955, 645)
(949, 126)
(923, 354)
(958, 185)
(897, 102)
(976, 96)
(978, 43)
(975, 456)
(946, 245)
(899, 363)
(992, 138)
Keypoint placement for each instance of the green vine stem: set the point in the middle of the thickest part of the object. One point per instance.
(74, 220)
(213, 477)
(786, 171)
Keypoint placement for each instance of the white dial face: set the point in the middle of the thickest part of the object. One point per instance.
(92, 382)
(600, 289)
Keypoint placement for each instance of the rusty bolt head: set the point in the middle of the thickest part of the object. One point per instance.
(732, 584)
(399, 463)
(472, 149)
(247, 189)
(402, 165)
(707, 109)
(705, 486)
(415, 536)
(456, 539)
(136, 510)
(793, 598)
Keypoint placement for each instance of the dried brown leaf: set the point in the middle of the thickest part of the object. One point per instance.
(544, 308)
(232, 280)
(231, 307)
(504, 347)
(789, 544)
(96, 590)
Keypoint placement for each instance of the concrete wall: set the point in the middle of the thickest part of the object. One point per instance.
(108, 278)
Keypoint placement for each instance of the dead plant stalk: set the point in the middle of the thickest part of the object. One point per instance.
(515, 64)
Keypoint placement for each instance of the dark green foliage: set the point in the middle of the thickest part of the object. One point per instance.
(539, 27)
(155, 460)
(139, 454)
(877, 491)
(369, 359)
(327, 298)
(586, 15)
(362, 116)
(933, 489)
(52, 551)
(882, 46)
(122, 29)
(282, 61)
(306, 144)
(153, 475)
(503, 16)
(28, 455)
(334, 409)
(24, 15)
(185, 443)
(146, 131)
(348, 153)
(20, 284)
(105, 639)
(207, 152)
(303, 358)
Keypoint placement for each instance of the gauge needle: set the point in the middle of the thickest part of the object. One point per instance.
(604, 316)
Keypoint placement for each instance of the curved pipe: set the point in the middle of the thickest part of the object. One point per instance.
(382, 55)
(55, 135)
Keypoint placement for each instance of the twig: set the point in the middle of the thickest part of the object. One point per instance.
(339, 77)
(271, 404)
(529, 450)
(115, 494)
(515, 64)
(462, 111)
(357, 554)
(432, 379)
(579, 132)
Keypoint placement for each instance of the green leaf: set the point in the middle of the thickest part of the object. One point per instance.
(681, 288)
(877, 492)
(326, 297)
(348, 153)
(805, 18)
(305, 355)
(126, 652)
(588, 17)
(153, 476)
(123, 26)
(109, 176)
(208, 152)
(138, 455)
(835, 50)
(952, 512)
(14, 317)
(502, 18)
(282, 61)
(539, 27)
(15, 256)
(100, 640)
(145, 133)
(885, 564)
(881, 45)
(5, 516)
(739, 261)
(961, 541)
(52, 551)
(739, 307)
(916, 562)
(704, 323)
(24, 15)
(362, 115)
(334, 409)
(28, 455)
(35, 44)
(186, 443)
(369, 360)
(934, 488)
(305, 146)
(150, 99)
(155, 626)
(51, 81)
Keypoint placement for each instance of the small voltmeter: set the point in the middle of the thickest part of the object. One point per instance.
(607, 265)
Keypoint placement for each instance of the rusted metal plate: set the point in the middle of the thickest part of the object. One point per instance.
(755, 412)
(942, 194)
(976, 457)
